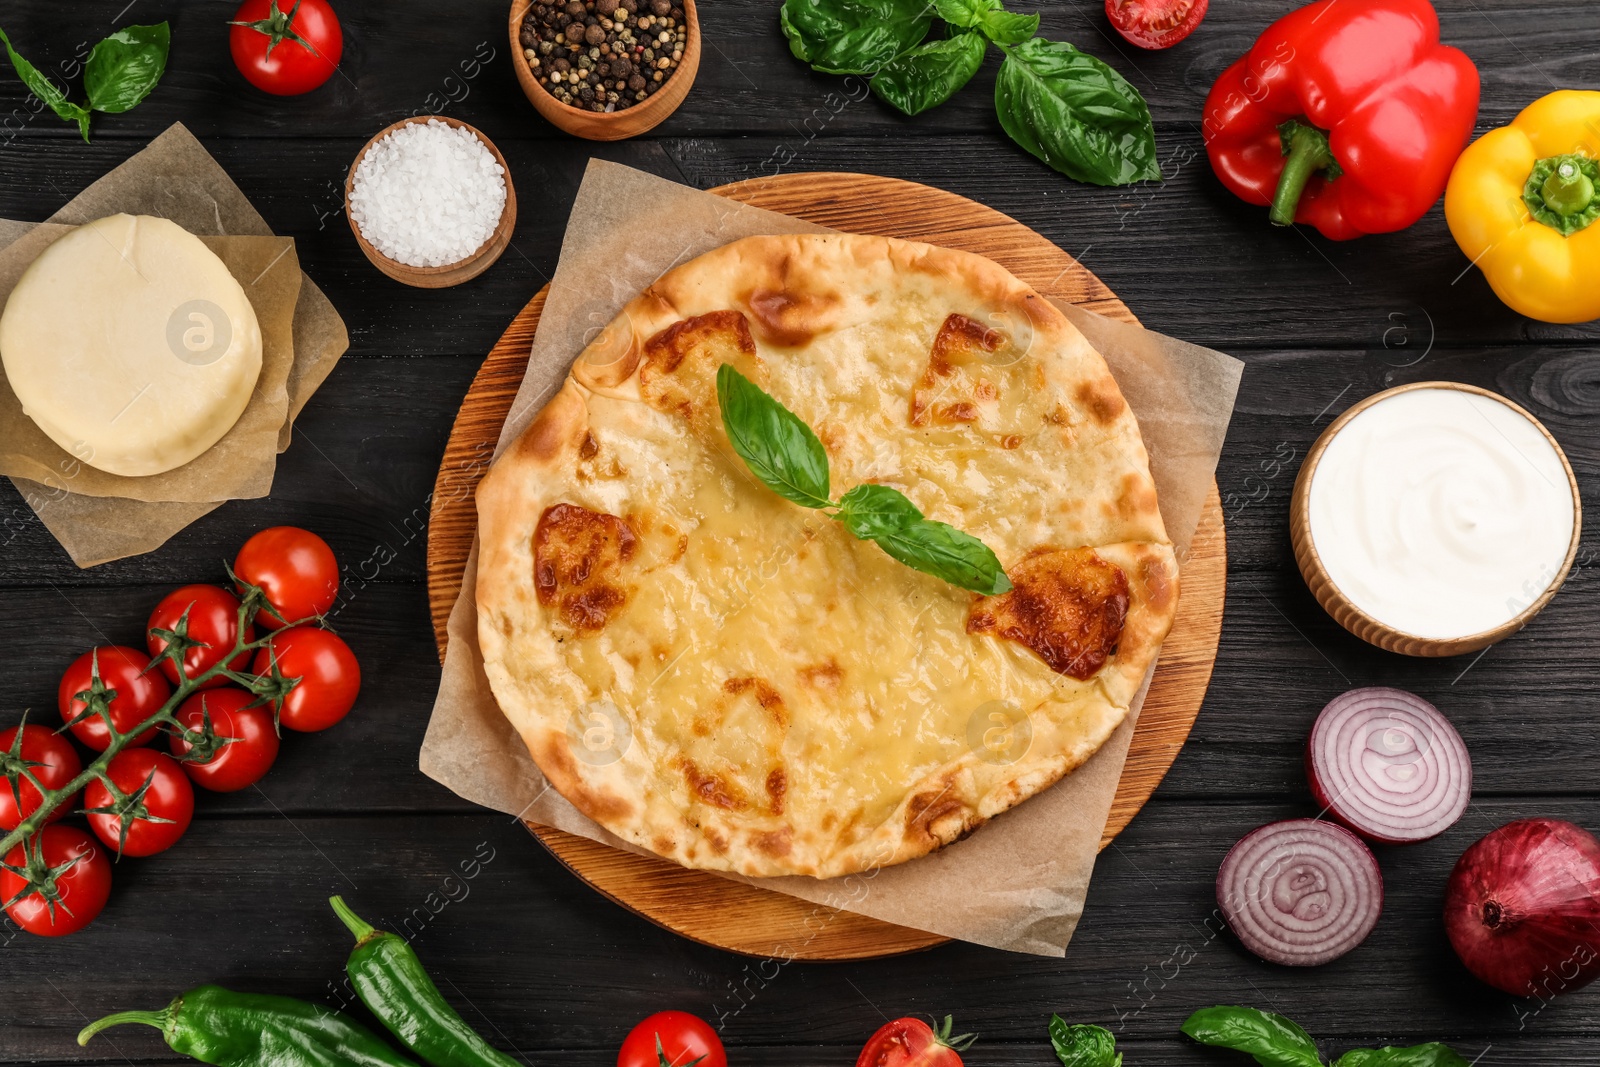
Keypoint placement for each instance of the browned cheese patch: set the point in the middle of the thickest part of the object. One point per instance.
(777, 787)
(761, 691)
(791, 317)
(712, 788)
(679, 374)
(578, 556)
(1068, 605)
(954, 386)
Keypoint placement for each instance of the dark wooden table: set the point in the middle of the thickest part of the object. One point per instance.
(541, 962)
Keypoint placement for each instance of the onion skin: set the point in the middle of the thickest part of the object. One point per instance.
(1522, 908)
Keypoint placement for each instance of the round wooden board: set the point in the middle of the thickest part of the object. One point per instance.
(732, 915)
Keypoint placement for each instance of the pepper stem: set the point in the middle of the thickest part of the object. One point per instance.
(1307, 152)
(157, 1019)
(1560, 192)
(1568, 190)
(358, 926)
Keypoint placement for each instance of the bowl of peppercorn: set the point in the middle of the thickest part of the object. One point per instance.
(605, 69)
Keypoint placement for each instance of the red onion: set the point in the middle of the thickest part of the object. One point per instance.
(1388, 765)
(1300, 892)
(1523, 908)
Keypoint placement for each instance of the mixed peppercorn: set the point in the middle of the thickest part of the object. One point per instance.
(604, 55)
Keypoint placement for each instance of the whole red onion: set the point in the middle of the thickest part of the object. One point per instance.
(1523, 908)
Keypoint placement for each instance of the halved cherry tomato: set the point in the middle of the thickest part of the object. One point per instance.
(1156, 24)
(295, 569)
(76, 876)
(329, 676)
(243, 742)
(672, 1039)
(913, 1043)
(286, 52)
(156, 803)
(213, 621)
(48, 756)
(139, 694)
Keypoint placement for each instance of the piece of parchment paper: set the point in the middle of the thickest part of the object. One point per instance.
(176, 178)
(1018, 882)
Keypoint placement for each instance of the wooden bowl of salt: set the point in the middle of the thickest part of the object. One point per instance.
(460, 173)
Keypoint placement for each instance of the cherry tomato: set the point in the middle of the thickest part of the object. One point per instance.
(295, 568)
(76, 877)
(52, 760)
(167, 795)
(683, 1039)
(329, 676)
(1156, 24)
(913, 1043)
(241, 761)
(286, 53)
(213, 621)
(140, 693)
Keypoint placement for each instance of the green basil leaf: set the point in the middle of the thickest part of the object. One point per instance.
(1003, 27)
(1433, 1054)
(42, 87)
(123, 68)
(1076, 114)
(871, 511)
(884, 516)
(776, 446)
(930, 73)
(853, 36)
(1273, 1040)
(1083, 1045)
(964, 13)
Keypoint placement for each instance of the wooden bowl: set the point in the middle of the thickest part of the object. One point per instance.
(449, 274)
(596, 125)
(1358, 622)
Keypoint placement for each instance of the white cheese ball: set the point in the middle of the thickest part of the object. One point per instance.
(130, 345)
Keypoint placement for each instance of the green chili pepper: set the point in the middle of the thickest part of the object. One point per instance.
(228, 1029)
(390, 981)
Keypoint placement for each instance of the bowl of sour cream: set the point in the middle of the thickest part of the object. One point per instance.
(1435, 518)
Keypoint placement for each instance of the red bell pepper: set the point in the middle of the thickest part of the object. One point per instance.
(1346, 114)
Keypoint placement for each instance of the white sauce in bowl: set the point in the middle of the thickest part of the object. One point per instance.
(1441, 513)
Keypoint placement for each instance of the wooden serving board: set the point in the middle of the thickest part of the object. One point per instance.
(733, 915)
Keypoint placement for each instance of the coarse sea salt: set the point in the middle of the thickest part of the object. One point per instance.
(428, 194)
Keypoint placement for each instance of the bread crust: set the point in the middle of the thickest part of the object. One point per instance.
(770, 696)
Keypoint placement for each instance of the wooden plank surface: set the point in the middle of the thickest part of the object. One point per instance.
(532, 955)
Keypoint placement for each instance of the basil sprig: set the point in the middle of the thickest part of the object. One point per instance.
(1276, 1042)
(1063, 106)
(781, 450)
(1083, 1044)
(120, 72)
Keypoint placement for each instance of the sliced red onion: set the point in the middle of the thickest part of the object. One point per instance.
(1388, 765)
(1523, 908)
(1300, 892)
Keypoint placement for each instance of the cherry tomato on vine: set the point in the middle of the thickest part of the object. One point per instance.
(52, 760)
(140, 693)
(72, 881)
(1156, 24)
(239, 762)
(286, 53)
(913, 1043)
(295, 569)
(152, 788)
(682, 1039)
(213, 621)
(329, 676)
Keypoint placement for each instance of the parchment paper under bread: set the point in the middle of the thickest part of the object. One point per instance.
(99, 517)
(1018, 882)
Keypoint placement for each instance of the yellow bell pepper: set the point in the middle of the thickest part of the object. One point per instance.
(1522, 203)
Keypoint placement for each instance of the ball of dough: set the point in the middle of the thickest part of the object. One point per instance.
(130, 345)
